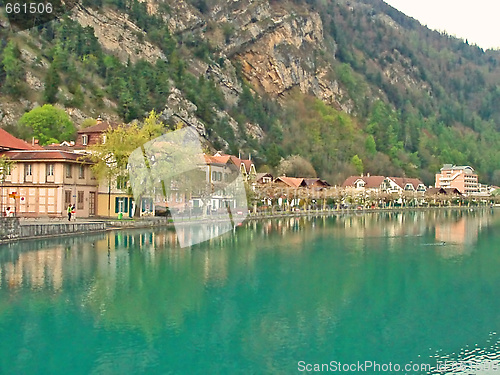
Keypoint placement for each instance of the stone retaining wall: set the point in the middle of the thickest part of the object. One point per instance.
(9, 228)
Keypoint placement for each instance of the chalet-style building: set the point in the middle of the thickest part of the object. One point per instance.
(246, 166)
(448, 192)
(290, 182)
(384, 184)
(367, 183)
(400, 184)
(461, 177)
(263, 178)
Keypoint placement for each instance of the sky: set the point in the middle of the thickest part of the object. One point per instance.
(478, 21)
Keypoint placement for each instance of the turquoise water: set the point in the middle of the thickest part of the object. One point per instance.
(412, 288)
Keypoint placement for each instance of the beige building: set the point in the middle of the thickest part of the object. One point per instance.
(45, 182)
(462, 178)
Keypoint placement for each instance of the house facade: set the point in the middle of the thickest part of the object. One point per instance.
(390, 185)
(45, 182)
(463, 178)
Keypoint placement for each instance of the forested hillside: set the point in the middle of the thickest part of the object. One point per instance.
(350, 86)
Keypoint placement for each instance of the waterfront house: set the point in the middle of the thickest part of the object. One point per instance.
(220, 171)
(462, 178)
(365, 183)
(246, 166)
(45, 182)
(403, 184)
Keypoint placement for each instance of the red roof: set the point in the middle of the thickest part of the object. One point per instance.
(291, 181)
(100, 127)
(37, 155)
(216, 159)
(9, 142)
(247, 163)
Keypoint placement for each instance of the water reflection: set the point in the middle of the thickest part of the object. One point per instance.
(346, 287)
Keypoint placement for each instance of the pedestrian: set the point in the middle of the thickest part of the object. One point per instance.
(8, 212)
(70, 208)
(73, 212)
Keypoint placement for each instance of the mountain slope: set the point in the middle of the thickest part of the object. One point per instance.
(333, 81)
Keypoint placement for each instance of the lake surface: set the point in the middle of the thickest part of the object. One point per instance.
(276, 297)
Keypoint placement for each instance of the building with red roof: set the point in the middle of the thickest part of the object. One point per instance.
(9, 142)
(44, 182)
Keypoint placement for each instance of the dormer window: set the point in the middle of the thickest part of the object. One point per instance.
(85, 139)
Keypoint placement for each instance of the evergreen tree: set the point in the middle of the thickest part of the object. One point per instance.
(52, 82)
(13, 68)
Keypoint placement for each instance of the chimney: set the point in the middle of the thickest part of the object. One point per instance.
(99, 119)
(367, 175)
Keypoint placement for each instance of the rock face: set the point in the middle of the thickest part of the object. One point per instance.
(179, 109)
(278, 48)
(118, 35)
(285, 57)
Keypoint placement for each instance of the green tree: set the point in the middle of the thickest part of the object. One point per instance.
(111, 158)
(47, 124)
(52, 82)
(370, 145)
(12, 65)
(358, 164)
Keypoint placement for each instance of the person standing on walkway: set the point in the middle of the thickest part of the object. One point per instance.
(70, 209)
(73, 212)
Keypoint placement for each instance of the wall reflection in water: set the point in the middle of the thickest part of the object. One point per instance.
(45, 263)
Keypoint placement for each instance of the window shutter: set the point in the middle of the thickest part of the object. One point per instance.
(125, 206)
(116, 205)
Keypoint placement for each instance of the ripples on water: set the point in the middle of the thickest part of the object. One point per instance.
(469, 360)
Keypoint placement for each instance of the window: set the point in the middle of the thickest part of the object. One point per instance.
(69, 172)
(104, 138)
(27, 170)
(214, 176)
(85, 139)
(178, 197)
(81, 171)
(80, 200)
(121, 204)
(50, 169)
(67, 198)
(121, 182)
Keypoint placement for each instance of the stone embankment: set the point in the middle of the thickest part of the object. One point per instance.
(13, 228)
